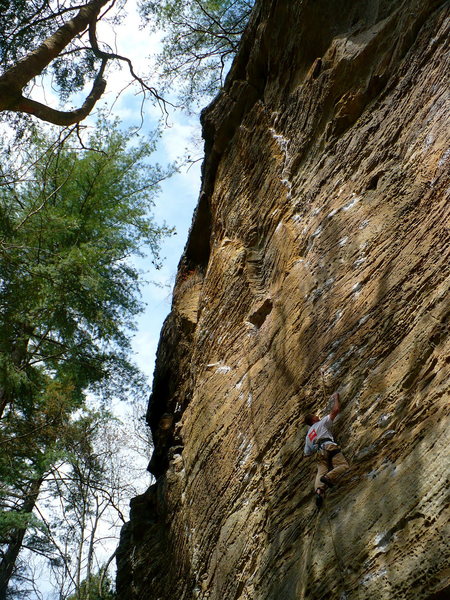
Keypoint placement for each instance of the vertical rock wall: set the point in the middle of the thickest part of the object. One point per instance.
(318, 260)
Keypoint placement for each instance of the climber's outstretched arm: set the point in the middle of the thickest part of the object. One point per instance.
(336, 406)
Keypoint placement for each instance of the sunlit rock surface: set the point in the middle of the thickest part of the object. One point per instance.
(318, 260)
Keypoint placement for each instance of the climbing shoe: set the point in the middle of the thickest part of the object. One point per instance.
(319, 499)
(324, 479)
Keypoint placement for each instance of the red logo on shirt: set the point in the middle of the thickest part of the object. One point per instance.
(312, 435)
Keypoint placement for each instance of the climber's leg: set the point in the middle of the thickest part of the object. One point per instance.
(322, 468)
(340, 465)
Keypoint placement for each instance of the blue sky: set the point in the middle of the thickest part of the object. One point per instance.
(174, 206)
(178, 198)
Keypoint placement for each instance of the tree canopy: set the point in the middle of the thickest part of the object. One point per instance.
(60, 39)
(66, 232)
(71, 221)
(200, 39)
(60, 36)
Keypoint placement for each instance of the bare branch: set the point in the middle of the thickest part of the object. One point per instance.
(209, 16)
(31, 432)
(104, 570)
(44, 202)
(112, 55)
(35, 22)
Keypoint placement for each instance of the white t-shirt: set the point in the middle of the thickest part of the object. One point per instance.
(318, 431)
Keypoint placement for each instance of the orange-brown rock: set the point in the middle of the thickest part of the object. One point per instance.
(318, 260)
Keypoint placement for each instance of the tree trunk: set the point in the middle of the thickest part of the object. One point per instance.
(15, 545)
(4, 400)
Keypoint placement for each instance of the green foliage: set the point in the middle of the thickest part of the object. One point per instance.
(69, 288)
(10, 520)
(70, 291)
(25, 24)
(72, 221)
(202, 36)
(90, 589)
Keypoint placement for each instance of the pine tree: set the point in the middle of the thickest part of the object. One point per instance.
(71, 220)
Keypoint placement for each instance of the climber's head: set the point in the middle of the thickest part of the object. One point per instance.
(310, 419)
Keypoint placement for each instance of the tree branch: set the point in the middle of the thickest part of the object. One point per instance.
(34, 22)
(26, 69)
(104, 570)
(59, 117)
(112, 55)
(13, 81)
(44, 202)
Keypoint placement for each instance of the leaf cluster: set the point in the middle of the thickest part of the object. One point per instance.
(24, 24)
(201, 38)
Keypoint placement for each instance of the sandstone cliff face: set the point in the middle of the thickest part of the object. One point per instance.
(318, 260)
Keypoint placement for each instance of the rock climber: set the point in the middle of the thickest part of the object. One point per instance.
(331, 462)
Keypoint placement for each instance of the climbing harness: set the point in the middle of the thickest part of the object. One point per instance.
(324, 441)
